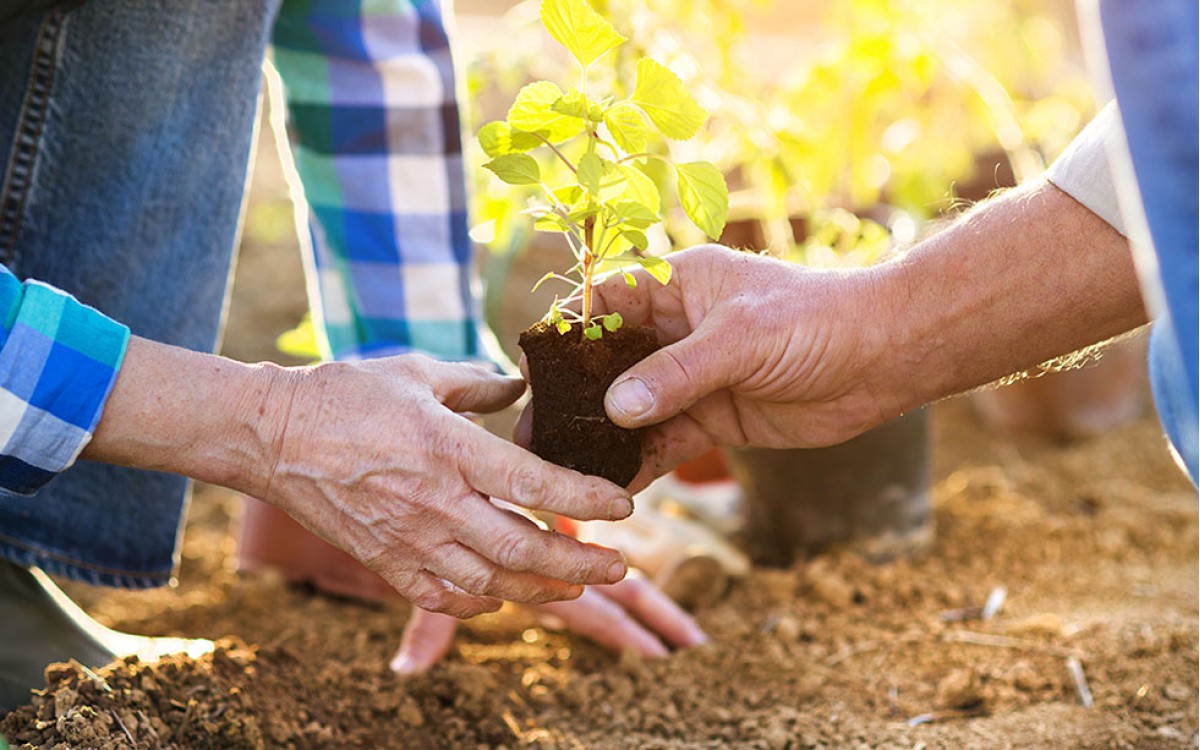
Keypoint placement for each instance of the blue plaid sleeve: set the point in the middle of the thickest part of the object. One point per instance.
(58, 362)
(374, 126)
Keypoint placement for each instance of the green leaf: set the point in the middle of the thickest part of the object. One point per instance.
(637, 238)
(533, 111)
(590, 172)
(582, 211)
(551, 223)
(659, 268)
(635, 215)
(586, 34)
(627, 124)
(704, 196)
(498, 138)
(640, 188)
(516, 169)
(549, 275)
(593, 332)
(630, 279)
(669, 105)
(563, 327)
(612, 322)
(573, 104)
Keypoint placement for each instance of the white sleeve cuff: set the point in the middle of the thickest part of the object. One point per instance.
(1083, 170)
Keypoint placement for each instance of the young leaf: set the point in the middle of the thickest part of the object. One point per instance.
(669, 105)
(549, 275)
(516, 169)
(630, 279)
(627, 124)
(704, 196)
(586, 34)
(637, 238)
(533, 111)
(563, 327)
(590, 172)
(612, 322)
(593, 332)
(551, 223)
(656, 267)
(572, 104)
(640, 189)
(635, 215)
(498, 138)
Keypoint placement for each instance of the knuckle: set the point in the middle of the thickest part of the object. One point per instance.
(479, 581)
(432, 599)
(527, 483)
(514, 550)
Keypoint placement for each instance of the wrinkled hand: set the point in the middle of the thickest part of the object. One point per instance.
(630, 615)
(756, 351)
(377, 458)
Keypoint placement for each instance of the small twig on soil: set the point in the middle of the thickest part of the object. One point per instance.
(124, 729)
(1081, 684)
(946, 715)
(1003, 641)
(989, 609)
(513, 726)
(95, 678)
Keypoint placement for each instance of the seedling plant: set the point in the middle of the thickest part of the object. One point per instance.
(609, 200)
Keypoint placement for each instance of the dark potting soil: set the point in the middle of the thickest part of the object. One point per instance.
(569, 376)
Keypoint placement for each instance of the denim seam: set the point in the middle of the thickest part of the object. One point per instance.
(31, 121)
(72, 568)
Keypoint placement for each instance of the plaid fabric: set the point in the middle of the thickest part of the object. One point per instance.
(58, 362)
(375, 133)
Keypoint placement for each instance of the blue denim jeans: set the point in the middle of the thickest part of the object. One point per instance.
(1155, 60)
(125, 128)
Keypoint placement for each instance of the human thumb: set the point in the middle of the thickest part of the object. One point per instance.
(427, 638)
(669, 381)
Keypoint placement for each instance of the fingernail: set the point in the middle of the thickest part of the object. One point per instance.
(404, 664)
(616, 571)
(631, 397)
(620, 508)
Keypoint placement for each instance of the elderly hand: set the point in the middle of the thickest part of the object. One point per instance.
(756, 351)
(630, 615)
(378, 458)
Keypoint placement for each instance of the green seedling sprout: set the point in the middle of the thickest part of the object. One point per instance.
(608, 201)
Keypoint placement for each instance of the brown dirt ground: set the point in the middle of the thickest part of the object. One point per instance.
(1095, 542)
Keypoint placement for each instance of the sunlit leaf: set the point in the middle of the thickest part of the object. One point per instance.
(640, 188)
(704, 196)
(593, 332)
(591, 171)
(515, 169)
(659, 268)
(549, 275)
(573, 104)
(669, 105)
(635, 214)
(577, 26)
(533, 111)
(551, 223)
(630, 279)
(627, 124)
(637, 238)
(498, 138)
(563, 327)
(612, 322)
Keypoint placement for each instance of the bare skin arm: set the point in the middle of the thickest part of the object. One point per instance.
(768, 353)
(376, 457)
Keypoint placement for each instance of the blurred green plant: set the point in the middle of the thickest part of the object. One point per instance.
(883, 106)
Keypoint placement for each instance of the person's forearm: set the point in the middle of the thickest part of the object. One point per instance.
(199, 415)
(1030, 276)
